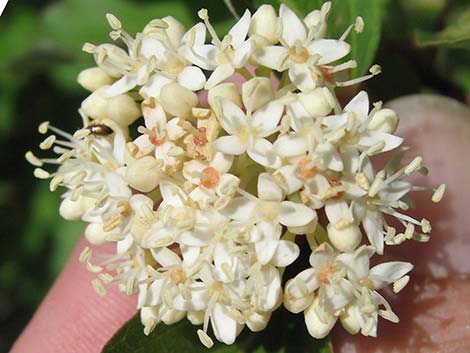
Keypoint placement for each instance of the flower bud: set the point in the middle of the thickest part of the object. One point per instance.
(226, 90)
(94, 78)
(175, 30)
(312, 19)
(95, 234)
(95, 105)
(264, 26)
(172, 316)
(350, 321)
(318, 327)
(123, 110)
(345, 238)
(177, 100)
(195, 317)
(71, 210)
(257, 92)
(143, 174)
(257, 322)
(318, 102)
(385, 120)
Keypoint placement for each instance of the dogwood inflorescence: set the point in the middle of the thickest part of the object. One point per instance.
(242, 148)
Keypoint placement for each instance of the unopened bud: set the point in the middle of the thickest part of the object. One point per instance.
(318, 102)
(224, 90)
(143, 174)
(123, 110)
(346, 238)
(94, 78)
(264, 25)
(385, 120)
(177, 100)
(257, 92)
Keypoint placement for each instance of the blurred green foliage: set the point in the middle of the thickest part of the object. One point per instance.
(423, 46)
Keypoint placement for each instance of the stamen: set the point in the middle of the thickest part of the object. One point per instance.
(113, 21)
(399, 284)
(439, 193)
(41, 173)
(43, 127)
(47, 143)
(359, 25)
(85, 255)
(32, 159)
(205, 339)
(98, 287)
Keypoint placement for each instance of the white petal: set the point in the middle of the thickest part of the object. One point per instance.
(273, 57)
(232, 117)
(329, 49)
(194, 238)
(268, 189)
(318, 326)
(370, 138)
(231, 145)
(166, 257)
(267, 118)
(240, 29)
(336, 210)
(266, 247)
(222, 72)
(357, 263)
(123, 85)
(373, 226)
(152, 47)
(291, 145)
(359, 105)
(154, 86)
(263, 153)
(239, 208)
(192, 78)
(172, 194)
(388, 272)
(286, 253)
(288, 173)
(293, 214)
(293, 28)
(243, 53)
(300, 76)
(330, 157)
(225, 328)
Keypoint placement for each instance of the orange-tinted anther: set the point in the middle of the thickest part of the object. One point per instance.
(154, 140)
(335, 183)
(211, 178)
(305, 171)
(201, 138)
(324, 273)
(327, 76)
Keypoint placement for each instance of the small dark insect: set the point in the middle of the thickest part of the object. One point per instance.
(99, 129)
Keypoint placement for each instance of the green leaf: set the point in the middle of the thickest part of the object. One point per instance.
(344, 13)
(286, 333)
(456, 34)
(68, 24)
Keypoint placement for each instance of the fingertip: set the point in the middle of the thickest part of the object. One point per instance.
(73, 318)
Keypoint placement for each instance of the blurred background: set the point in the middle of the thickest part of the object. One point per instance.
(422, 46)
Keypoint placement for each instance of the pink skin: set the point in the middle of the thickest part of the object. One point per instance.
(434, 312)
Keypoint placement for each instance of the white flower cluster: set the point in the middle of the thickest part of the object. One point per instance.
(204, 205)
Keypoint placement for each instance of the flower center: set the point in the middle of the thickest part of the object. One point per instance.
(201, 138)
(269, 211)
(211, 179)
(177, 275)
(324, 274)
(298, 54)
(306, 171)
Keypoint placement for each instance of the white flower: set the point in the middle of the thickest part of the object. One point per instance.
(247, 133)
(228, 54)
(300, 53)
(353, 127)
(365, 309)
